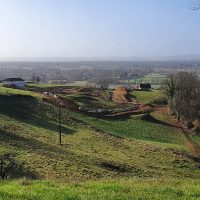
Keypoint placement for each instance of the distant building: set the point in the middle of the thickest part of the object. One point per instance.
(14, 82)
(145, 86)
(135, 87)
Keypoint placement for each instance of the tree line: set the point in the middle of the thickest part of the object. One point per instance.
(183, 93)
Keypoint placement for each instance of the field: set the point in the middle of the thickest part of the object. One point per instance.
(140, 157)
(140, 127)
(10, 91)
(46, 85)
(155, 79)
(152, 78)
(147, 96)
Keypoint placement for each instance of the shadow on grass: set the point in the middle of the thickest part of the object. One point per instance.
(46, 153)
(31, 144)
(12, 168)
(120, 168)
(151, 119)
(22, 108)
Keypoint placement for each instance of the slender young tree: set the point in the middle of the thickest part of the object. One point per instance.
(60, 124)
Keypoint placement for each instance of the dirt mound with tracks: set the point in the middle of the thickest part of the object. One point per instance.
(58, 100)
(120, 95)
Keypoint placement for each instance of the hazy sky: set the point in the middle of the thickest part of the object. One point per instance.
(98, 28)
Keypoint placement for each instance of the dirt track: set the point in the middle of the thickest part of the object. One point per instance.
(140, 110)
(192, 146)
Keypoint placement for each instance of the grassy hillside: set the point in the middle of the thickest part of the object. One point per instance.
(86, 154)
(143, 127)
(138, 148)
(10, 91)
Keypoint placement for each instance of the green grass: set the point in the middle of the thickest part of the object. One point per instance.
(44, 85)
(105, 190)
(78, 83)
(152, 78)
(91, 102)
(147, 96)
(10, 91)
(136, 128)
(196, 139)
(88, 155)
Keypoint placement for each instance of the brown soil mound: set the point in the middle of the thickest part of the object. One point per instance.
(86, 89)
(120, 95)
(65, 103)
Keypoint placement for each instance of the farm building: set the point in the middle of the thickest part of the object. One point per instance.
(145, 86)
(14, 82)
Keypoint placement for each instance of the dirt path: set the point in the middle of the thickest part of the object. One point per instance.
(192, 146)
(140, 110)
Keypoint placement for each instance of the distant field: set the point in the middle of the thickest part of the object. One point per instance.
(146, 96)
(78, 83)
(45, 85)
(152, 78)
(136, 189)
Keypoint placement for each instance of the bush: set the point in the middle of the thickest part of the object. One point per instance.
(160, 100)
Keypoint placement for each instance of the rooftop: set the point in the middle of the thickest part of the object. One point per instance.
(13, 79)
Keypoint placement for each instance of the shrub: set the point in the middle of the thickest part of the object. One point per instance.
(162, 100)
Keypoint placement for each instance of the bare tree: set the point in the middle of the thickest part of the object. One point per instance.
(169, 90)
(196, 5)
(183, 92)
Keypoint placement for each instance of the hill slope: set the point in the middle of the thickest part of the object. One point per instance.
(92, 148)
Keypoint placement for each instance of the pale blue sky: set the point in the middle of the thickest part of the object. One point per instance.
(98, 28)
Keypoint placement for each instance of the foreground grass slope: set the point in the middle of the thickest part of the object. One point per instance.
(104, 190)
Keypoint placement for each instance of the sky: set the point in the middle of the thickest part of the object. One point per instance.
(98, 28)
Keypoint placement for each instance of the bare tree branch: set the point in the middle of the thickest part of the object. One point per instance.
(196, 5)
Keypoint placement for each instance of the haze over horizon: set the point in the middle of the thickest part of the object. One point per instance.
(129, 29)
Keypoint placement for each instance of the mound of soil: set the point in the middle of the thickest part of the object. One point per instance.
(120, 95)
(86, 89)
(65, 103)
